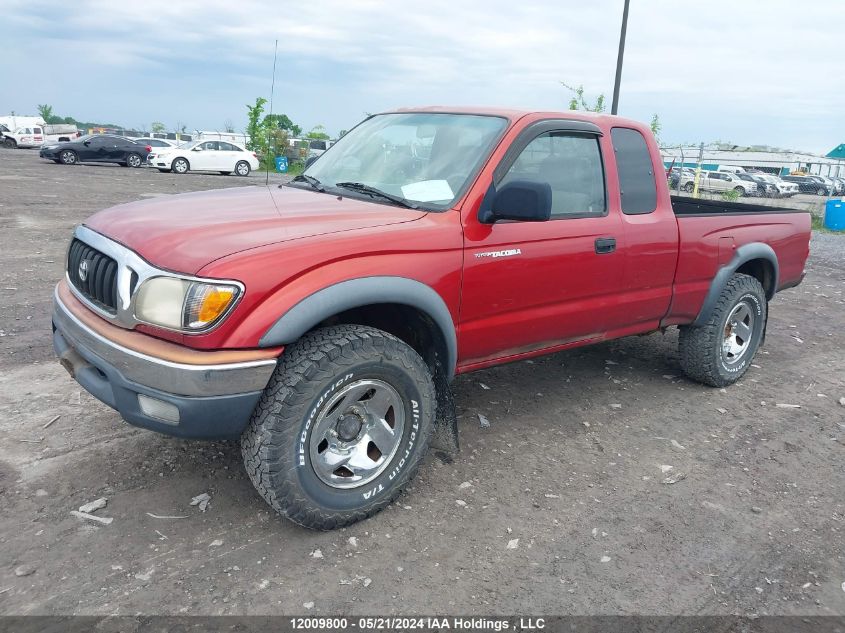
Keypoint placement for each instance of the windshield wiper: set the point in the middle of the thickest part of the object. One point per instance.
(316, 184)
(377, 193)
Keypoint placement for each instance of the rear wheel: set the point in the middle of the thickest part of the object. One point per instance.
(242, 168)
(719, 352)
(341, 427)
(68, 157)
(739, 191)
(820, 191)
(133, 160)
(180, 166)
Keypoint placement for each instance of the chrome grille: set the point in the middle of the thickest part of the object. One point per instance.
(93, 274)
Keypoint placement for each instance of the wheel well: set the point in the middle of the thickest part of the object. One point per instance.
(763, 271)
(413, 326)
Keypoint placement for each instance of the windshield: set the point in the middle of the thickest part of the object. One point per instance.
(425, 158)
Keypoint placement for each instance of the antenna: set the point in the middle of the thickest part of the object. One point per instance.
(272, 90)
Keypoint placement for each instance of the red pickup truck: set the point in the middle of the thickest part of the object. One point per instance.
(322, 320)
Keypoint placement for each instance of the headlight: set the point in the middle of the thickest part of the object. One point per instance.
(181, 304)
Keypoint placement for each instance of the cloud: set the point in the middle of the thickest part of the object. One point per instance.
(752, 71)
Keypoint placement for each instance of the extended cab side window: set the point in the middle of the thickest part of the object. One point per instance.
(637, 184)
(571, 164)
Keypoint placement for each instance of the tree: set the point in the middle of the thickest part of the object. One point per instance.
(158, 126)
(656, 127)
(46, 112)
(228, 126)
(282, 122)
(254, 129)
(278, 141)
(342, 133)
(577, 102)
(318, 132)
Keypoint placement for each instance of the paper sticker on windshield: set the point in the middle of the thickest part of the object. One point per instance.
(428, 191)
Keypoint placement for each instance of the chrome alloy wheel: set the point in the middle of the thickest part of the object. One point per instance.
(739, 328)
(357, 433)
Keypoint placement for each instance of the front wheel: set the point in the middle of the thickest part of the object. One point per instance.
(820, 191)
(9, 143)
(719, 352)
(180, 166)
(689, 187)
(68, 157)
(242, 168)
(739, 191)
(341, 427)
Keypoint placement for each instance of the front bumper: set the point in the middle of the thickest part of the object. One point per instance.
(159, 162)
(195, 396)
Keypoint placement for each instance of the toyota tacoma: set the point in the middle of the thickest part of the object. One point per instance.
(322, 321)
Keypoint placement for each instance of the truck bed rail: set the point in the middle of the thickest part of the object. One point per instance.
(686, 206)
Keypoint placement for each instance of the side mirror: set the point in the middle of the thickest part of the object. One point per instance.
(311, 160)
(521, 201)
(86, 143)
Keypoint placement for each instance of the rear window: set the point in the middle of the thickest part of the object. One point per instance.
(636, 172)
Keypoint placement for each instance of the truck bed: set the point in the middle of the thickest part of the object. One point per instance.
(686, 206)
(710, 231)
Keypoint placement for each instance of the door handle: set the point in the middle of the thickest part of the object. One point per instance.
(605, 245)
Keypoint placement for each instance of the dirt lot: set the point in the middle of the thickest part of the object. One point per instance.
(757, 525)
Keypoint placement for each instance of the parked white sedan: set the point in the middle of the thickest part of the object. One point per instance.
(204, 156)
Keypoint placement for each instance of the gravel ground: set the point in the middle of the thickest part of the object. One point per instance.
(561, 506)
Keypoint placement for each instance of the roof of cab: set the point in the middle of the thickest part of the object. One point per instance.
(514, 114)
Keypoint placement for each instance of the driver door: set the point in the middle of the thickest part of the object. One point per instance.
(92, 149)
(538, 285)
(204, 156)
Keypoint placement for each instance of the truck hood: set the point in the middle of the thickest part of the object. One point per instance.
(185, 232)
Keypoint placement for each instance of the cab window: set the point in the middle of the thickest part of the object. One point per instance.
(637, 184)
(571, 164)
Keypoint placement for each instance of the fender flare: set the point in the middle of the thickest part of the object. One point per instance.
(743, 254)
(355, 293)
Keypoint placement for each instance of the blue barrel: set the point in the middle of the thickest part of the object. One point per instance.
(281, 163)
(834, 215)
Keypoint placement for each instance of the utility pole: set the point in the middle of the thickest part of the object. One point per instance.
(615, 106)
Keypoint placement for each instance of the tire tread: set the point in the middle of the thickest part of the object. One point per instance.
(696, 343)
(318, 357)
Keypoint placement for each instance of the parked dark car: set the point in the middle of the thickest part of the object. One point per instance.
(97, 148)
(807, 184)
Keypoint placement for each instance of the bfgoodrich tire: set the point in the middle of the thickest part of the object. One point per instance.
(720, 352)
(341, 427)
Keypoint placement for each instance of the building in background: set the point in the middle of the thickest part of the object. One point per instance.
(768, 159)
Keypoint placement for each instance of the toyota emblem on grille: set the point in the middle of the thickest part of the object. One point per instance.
(83, 270)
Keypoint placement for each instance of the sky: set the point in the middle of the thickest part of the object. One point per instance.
(766, 72)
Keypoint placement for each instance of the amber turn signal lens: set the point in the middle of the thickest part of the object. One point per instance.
(206, 303)
(214, 304)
